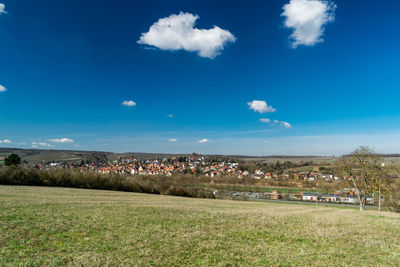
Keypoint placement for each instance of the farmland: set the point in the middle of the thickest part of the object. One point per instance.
(58, 226)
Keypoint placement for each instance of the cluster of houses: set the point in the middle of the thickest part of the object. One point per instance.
(347, 196)
(189, 165)
(168, 166)
(303, 175)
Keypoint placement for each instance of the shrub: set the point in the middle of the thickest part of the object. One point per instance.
(177, 186)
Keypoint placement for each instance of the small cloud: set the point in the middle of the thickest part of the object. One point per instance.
(2, 9)
(283, 124)
(5, 141)
(76, 145)
(2, 88)
(307, 18)
(128, 103)
(21, 143)
(264, 120)
(177, 32)
(38, 144)
(170, 115)
(172, 140)
(265, 142)
(205, 140)
(260, 106)
(276, 122)
(62, 140)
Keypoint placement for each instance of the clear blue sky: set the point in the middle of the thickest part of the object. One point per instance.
(67, 66)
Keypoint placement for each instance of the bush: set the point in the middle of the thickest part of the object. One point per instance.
(178, 186)
(12, 159)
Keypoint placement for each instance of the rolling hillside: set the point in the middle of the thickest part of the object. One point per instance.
(75, 156)
(77, 227)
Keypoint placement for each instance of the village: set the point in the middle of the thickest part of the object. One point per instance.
(196, 165)
(208, 166)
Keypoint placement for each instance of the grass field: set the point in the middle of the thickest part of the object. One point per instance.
(58, 226)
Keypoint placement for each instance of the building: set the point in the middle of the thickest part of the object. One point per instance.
(309, 197)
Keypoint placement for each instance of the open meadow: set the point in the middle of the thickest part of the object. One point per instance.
(63, 226)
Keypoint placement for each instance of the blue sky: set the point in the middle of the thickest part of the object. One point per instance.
(327, 76)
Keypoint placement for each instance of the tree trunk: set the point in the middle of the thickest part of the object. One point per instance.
(362, 205)
(379, 199)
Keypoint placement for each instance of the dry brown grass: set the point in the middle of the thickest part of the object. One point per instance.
(60, 226)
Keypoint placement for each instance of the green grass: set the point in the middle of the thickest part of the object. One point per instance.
(59, 226)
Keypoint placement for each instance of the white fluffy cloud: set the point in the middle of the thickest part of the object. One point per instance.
(265, 120)
(5, 141)
(62, 140)
(177, 32)
(2, 88)
(38, 144)
(283, 124)
(128, 103)
(2, 9)
(172, 140)
(205, 140)
(170, 115)
(260, 106)
(307, 18)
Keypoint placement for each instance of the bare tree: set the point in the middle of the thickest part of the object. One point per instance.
(360, 169)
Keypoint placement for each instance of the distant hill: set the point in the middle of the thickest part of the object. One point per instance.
(70, 156)
(76, 156)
